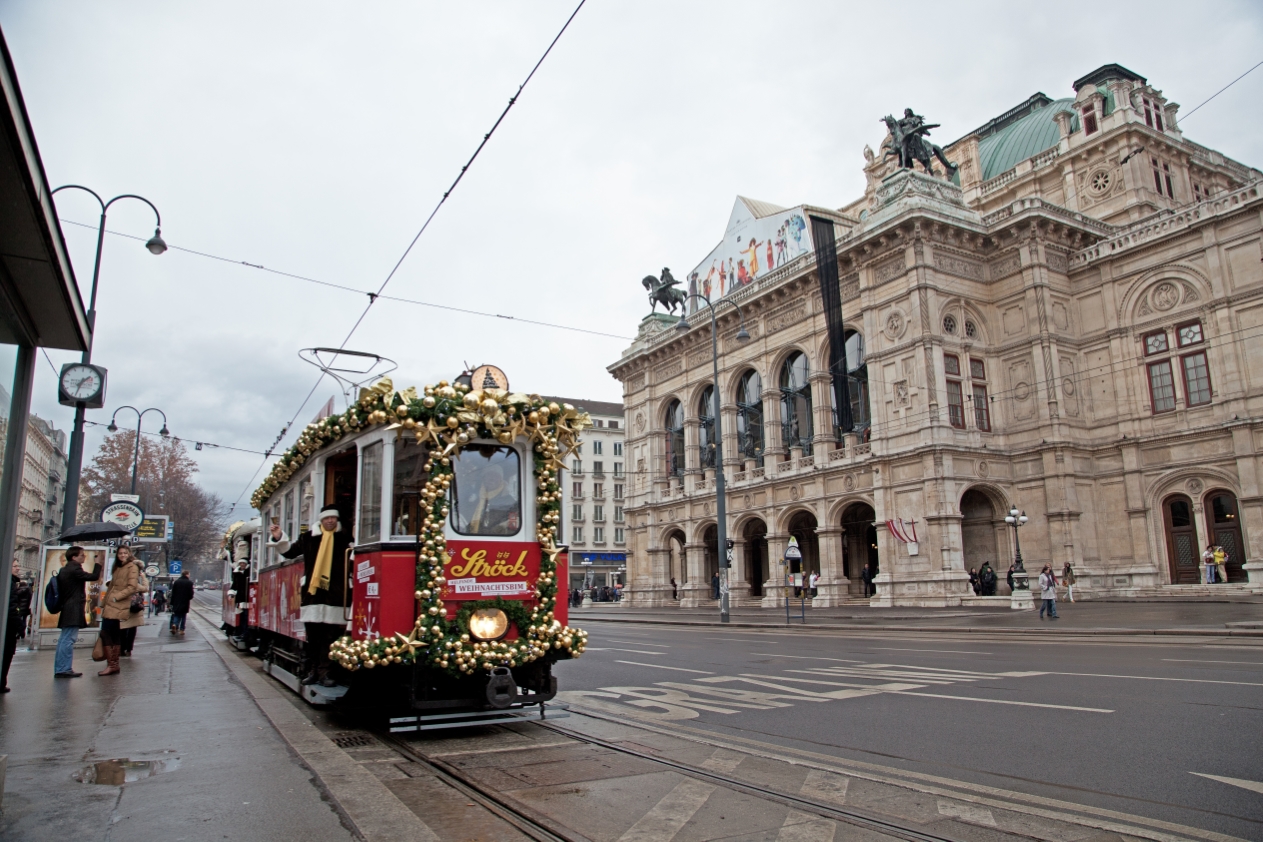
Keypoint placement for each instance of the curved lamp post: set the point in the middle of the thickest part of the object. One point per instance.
(140, 416)
(74, 461)
(721, 544)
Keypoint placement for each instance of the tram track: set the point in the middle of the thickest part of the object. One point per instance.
(541, 827)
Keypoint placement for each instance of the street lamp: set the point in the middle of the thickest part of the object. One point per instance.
(74, 461)
(113, 428)
(1017, 520)
(721, 543)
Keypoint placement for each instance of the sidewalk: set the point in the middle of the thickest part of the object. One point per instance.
(1242, 618)
(224, 771)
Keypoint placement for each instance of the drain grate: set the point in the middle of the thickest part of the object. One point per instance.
(353, 740)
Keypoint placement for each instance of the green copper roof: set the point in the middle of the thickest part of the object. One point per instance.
(1022, 139)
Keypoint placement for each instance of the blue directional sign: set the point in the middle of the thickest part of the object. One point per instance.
(175, 568)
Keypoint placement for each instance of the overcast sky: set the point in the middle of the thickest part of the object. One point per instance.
(315, 138)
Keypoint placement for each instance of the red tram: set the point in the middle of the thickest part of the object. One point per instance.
(453, 501)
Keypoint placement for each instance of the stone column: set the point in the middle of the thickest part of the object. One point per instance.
(822, 410)
(692, 454)
(774, 587)
(728, 415)
(773, 446)
(834, 586)
(651, 588)
(695, 593)
(739, 574)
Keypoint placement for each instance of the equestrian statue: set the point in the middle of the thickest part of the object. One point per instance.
(908, 142)
(663, 291)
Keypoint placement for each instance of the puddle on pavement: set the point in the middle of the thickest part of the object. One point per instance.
(124, 771)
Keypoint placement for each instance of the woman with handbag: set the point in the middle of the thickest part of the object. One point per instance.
(117, 606)
(136, 619)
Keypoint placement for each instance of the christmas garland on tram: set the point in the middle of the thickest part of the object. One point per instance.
(448, 419)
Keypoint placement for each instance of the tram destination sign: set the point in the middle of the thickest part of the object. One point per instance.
(488, 569)
(152, 530)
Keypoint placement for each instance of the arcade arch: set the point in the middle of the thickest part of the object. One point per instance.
(859, 544)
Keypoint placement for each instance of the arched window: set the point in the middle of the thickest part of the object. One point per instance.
(750, 417)
(857, 381)
(675, 439)
(796, 402)
(706, 429)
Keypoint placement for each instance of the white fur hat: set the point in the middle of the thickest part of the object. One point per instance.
(329, 511)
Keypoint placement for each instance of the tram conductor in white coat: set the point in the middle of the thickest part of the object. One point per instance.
(324, 595)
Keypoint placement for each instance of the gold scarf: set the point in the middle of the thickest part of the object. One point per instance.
(324, 565)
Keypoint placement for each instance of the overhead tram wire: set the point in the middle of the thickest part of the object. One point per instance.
(1218, 92)
(344, 288)
(373, 296)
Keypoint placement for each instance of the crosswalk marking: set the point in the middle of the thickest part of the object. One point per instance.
(825, 786)
(723, 761)
(804, 827)
(664, 667)
(966, 812)
(664, 821)
(1253, 786)
(1002, 702)
(616, 649)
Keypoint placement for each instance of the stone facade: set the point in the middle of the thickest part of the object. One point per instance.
(1079, 335)
(43, 491)
(593, 496)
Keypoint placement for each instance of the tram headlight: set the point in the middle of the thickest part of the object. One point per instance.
(488, 624)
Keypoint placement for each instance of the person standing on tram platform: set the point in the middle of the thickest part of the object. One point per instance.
(19, 609)
(323, 552)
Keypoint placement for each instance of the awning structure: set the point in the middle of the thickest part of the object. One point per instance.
(39, 299)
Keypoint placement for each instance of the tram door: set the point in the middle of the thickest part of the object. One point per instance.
(340, 481)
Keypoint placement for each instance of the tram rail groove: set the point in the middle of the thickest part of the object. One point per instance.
(528, 821)
(857, 818)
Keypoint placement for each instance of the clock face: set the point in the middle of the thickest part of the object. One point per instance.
(80, 381)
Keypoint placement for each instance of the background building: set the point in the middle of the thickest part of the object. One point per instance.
(43, 491)
(1071, 323)
(593, 495)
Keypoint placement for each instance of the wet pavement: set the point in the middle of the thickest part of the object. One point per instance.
(173, 749)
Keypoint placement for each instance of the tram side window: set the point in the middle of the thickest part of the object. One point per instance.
(487, 491)
(304, 504)
(274, 516)
(410, 479)
(370, 522)
(289, 524)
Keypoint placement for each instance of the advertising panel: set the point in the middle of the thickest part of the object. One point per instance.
(153, 529)
(490, 569)
(382, 595)
(280, 600)
(52, 560)
(759, 239)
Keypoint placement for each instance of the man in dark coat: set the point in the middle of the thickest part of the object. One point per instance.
(241, 595)
(324, 595)
(987, 578)
(19, 610)
(181, 599)
(73, 598)
(866, 575)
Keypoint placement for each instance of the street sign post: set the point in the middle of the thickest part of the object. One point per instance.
(126, 514)
(794, 576)
(151, 570)
(175, 567)
(153, 529)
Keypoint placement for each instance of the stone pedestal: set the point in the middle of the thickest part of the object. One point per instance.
(930, 589)
(832, 594)
(1022, 599)
(1254, 571)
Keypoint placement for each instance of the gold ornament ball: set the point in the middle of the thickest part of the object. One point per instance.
(471, 400)
(505, 437)
(452, 422)
(490, 406)
(533, 418)
(428, 402)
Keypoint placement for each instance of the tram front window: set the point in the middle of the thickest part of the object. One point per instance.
(487, 491)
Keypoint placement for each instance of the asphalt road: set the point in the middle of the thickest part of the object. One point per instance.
(1131, 725)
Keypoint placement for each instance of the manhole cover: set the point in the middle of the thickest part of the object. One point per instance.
(124, 771)
(353, 740)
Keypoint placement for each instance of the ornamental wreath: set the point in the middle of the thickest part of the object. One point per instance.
(448, 417)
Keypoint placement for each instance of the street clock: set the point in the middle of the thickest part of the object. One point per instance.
(81, 383)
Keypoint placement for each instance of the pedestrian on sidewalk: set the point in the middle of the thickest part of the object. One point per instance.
(135, 618)
(19, 610)
(1208, 563)
(1067, 577)
(181, 599)
(117, 606)
(159, 601)
(714, 586)
(814, 580)
(72, 606)
(675, 594)
(867, 576)
(1221, 563)
(1048, 593)
(1009, 577)
(974, 581)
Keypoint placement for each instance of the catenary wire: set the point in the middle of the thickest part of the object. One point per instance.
(1221, 90)
(442, 200)
(344, 288)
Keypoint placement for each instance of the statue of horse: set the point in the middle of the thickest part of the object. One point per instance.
(912, 146)
(663, 291)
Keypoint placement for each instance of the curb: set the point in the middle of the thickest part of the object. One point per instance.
(1121, 632)
(374, 812)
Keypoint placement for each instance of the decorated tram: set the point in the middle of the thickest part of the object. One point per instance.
(445, 595)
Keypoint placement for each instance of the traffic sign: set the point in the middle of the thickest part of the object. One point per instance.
(125, 514)
(151, 570)
(175, 568)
